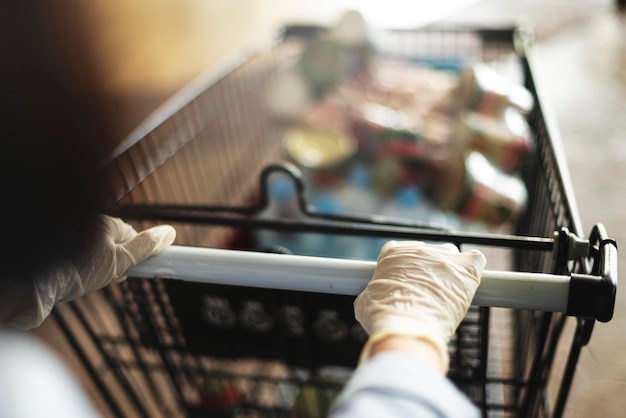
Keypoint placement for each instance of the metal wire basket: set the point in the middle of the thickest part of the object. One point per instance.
(148, 349)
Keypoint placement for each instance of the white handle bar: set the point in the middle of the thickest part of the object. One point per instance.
(537, 291)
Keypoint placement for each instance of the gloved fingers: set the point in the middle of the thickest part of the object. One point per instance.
(418, 251)
(142, 246)
(117, 230)
(415, 248)
(411, 247)
(392, 246)
(474, 262)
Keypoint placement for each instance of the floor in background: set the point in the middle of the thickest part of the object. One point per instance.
(583, 70)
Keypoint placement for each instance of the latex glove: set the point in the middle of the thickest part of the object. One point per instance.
(420, 290)
(118, 248)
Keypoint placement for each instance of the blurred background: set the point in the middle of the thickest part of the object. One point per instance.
(139, 54)
(133, 56)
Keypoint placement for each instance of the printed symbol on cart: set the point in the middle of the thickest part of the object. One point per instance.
(358, 333)
(216, 311)
(294, 320)
(254, 318)
(330, 327)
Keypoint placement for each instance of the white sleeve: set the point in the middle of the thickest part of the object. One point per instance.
(394, 385)
(34, 382)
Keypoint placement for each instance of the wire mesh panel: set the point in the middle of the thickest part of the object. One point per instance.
(166, 348)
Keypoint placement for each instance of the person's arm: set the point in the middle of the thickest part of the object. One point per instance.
(394, 384)
(117, 249)
(411, 347)
(417, 297)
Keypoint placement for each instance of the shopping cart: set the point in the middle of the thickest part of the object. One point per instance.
(248, 333)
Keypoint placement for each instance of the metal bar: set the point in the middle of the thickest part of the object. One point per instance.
(162, 353)
(120, 377)
(134, 345)
(533, 395)
(374, 228)
(484, 354)
(90, 369)
(537, 291)
(584, 329)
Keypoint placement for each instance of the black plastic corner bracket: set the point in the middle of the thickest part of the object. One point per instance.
(593, 295)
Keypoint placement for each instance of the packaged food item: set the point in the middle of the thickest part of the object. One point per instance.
(496, 198)
(485, 91)
(381, 130)
(504, 141)
(315, 398)
(430, 155)
(442, 143)
(403, 152)
(446, 183)
(409, 87)
(323, 155)
(220, 397)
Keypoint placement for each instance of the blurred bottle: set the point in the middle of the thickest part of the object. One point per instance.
(352, 197)
(282, 204)
(352, 34)
(336, 55)
(408, 207)
(321, 65)
(319, 244)
(357, 197)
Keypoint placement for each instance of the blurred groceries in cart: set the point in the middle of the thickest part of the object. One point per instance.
(440, 144)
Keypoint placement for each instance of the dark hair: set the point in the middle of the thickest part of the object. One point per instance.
(52, 131)
(46, 201)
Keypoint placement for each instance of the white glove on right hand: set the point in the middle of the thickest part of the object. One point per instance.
(420, 290)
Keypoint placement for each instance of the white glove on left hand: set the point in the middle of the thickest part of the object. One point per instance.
(120, 247)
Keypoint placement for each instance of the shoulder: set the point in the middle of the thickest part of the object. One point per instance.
(35, 382)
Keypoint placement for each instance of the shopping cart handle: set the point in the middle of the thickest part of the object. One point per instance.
(536, 291)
